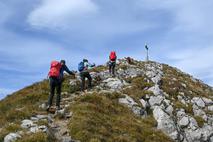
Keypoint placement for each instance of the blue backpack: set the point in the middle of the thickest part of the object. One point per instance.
(81, 66)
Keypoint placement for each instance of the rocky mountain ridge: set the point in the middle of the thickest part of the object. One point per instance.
(156, 102)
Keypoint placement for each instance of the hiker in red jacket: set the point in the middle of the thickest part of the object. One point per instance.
(112, 63)
(56, 75)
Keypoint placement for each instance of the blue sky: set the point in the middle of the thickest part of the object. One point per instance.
(32, 33)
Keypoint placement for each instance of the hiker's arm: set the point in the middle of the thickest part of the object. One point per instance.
(68, 71)
(91, 65)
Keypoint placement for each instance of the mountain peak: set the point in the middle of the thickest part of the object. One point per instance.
(146, 101)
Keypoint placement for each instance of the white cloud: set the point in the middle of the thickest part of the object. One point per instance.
(196, 61)
(56, 13)
(187, 15)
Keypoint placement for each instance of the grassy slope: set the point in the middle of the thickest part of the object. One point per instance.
(100, 118)
(25, 103)
(173, 86)
(174, 82)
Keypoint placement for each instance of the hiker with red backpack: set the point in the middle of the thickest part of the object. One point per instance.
(56, 76)
(83, 68)
(112, 63)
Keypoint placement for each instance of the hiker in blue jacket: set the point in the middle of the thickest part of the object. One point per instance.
(83, 68)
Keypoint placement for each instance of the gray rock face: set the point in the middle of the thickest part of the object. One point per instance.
(199, 135)
(199, 102)
(210, 108)
(43, 106)
(207, 101)
(34, 129)
(114, 83)
(27, 123)
(182, 100)
(184, 121)
(128, 101)
(11, 137)
(165, 123)
(156, 90)
(193, 124)
(144, 103)
(102, 75)
(43, 128)
(169, 110)
(154, 71)
(155, 100)
(73, 82)
(130, 72)
(199, 112)
(193, 135)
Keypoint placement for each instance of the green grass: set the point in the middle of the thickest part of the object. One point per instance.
(188, 109)
(24, 103)
(66, 87)
(37, 137)
(100, 117)
(138, 89)
(200, 121)
(172, 87)
(99, 69)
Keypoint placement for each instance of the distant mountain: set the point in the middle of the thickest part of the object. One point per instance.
(145, 102)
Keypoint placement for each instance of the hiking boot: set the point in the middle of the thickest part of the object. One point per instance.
(48, 108)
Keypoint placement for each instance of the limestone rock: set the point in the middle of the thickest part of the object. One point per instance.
(199, 102)
(210, 108)
(34, 129)
(133, 105)
(156, 90)
(127, 101)
(183, 122)
(114, 83)
(207, 101)
(155, 100)
(169, 110)
(165, 123)
(27, 123)
(11, 137)
(144, 103)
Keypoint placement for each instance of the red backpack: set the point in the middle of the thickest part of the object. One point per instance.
(112, 56)
(54, 69)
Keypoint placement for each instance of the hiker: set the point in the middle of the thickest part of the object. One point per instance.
(83, 68)
(129, 60)
(112, 63)
(56, 77)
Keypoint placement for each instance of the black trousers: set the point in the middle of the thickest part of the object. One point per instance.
(55, 84)
(85, 75)
(112, 68)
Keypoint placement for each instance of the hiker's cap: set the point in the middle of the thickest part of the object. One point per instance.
(85, 60)
(63, 61)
